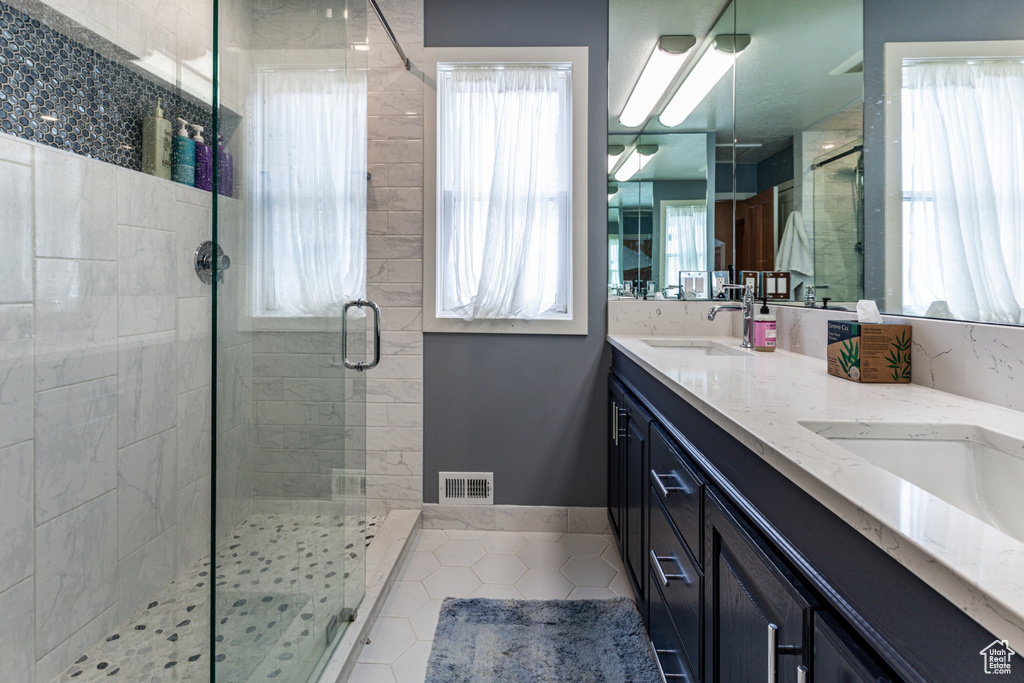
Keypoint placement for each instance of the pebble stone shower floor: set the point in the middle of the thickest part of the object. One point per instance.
(277, 583)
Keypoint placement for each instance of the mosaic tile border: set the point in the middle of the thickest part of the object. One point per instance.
(94, 104)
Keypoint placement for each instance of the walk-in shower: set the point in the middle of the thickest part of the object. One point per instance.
(183, 458)
(839, 221)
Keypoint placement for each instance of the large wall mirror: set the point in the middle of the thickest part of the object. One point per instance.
(921, 211)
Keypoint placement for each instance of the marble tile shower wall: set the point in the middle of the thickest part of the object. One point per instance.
(394, 408)
(394, 390)
(104, 399)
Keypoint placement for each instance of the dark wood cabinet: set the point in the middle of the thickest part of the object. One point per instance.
(638, 422)
(838, 658)
(678, 488)
(755, 609)
(675, 580)
(722, 599)
(671, 655)
(616, 456)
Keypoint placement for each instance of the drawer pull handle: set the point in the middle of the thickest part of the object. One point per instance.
(661, 671)
(801, 674)
(666, 491)
(773, 640)
(662, 576)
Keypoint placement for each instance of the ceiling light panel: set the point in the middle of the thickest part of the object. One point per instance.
(658, 74)
(711, 67)
(635, 162)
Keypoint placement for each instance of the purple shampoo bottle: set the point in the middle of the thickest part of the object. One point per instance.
(204, 161)
(225, 170)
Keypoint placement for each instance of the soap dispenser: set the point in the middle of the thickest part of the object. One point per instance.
(184, 157)
(156, 144)
(764, 328)
(204, 161)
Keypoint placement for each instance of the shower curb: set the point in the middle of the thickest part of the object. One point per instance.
(384, 559)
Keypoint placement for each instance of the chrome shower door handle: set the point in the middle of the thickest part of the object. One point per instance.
(360, 366)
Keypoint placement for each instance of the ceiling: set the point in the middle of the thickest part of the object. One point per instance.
(783, 81)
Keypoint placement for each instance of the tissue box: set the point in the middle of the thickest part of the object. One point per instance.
(869, 352)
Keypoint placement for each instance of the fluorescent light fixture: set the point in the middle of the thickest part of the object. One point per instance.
(48, 118)
(635, 162)
(659, 72)
(614, 152)
(710, 69)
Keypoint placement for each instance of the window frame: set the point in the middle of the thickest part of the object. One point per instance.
(576, 320)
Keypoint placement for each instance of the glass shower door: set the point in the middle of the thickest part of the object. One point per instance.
(289, 530)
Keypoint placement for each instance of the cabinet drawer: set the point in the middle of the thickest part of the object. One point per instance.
(674, 573)
(669, 652)
(677, 487)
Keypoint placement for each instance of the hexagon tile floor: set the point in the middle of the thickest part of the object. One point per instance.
(279, 579)
(480, 564)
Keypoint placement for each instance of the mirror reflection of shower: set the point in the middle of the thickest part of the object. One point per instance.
(839, 220)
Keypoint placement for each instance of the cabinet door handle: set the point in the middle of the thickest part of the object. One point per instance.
(662, 576)
(801, 674)
(773, 641)
(666, 491)
(615, 423)
(661, 671)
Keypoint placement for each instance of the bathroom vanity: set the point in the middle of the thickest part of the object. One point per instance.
(761, 549)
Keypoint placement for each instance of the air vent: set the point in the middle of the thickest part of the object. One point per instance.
(465, 488)
(347, 484)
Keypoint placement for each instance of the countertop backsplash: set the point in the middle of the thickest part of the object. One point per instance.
(974, 360)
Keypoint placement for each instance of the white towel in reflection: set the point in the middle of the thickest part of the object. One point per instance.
(795, 251)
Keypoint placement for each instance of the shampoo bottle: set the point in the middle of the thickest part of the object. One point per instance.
(204, 161)
(225, 170)
(156, 144)
(764, 328)
(184, 157)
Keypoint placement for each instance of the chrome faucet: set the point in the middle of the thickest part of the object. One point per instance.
(748, 312)
(809, 294)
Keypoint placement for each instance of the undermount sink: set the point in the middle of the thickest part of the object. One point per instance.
(689, 348)
(972, 468)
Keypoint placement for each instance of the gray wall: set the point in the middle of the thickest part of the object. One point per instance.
(746, 178)
(529, 408)
(775, 170)
(901, 22)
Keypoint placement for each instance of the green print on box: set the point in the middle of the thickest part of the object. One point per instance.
(869, 352)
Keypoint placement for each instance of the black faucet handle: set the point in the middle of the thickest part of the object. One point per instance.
(824, 302)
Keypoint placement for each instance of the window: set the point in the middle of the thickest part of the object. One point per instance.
(507, 249)
(307, 178)
(684, 238)
(954, 170)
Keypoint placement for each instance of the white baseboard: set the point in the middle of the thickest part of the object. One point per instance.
(574, 520)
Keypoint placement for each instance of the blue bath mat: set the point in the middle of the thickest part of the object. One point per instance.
(539, 641)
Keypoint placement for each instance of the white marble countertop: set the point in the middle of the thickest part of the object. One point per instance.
(758, 398)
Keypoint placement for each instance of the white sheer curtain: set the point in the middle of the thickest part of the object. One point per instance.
(963, 188)
(307, 182)
(504, 191)
(686, 240)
